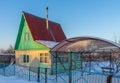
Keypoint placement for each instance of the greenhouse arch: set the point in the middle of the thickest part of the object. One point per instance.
(85, 43)
(83, 52)
(86, 54)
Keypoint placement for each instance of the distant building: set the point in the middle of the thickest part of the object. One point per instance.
(35, 39)
(6, 58)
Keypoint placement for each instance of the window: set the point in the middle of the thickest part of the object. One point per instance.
(26, 36)
(44, 57)
(25, 58)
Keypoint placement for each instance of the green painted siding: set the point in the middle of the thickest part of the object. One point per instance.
(30, 44)
(19, 33)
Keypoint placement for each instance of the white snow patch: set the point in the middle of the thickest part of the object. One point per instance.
(13, 79)
(49, 44)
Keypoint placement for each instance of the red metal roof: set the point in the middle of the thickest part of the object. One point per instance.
(57, 31)
(39, 31)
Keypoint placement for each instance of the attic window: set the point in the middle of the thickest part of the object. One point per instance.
(26, 36)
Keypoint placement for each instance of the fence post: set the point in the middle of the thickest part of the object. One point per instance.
(89, 63)
(70, 68)
(81, 58)
(109, 79)
(45, 75)
(38, 75)
(56, 65)
(4, 68)
(14, 69)
(29, 73)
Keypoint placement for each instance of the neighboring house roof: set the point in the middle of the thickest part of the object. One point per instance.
(39, 31)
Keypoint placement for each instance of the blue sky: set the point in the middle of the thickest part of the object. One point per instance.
(100, 18)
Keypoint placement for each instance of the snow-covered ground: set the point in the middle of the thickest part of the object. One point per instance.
(22, 75)
(84, 79)
(13, 79)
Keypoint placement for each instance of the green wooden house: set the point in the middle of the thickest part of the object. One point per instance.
(34, 41)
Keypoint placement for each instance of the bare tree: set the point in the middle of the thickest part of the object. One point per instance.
(116, 39)
(116, 65)
(10, 50)
(2, 50)
(114, 70)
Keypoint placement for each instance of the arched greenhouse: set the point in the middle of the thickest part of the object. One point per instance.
(87, 53)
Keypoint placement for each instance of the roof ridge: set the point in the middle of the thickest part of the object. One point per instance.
(32, 15)
(39, 17)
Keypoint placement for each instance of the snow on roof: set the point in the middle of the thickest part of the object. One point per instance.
(49, 44)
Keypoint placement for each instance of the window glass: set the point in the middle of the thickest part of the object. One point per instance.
(26, 36)
(44, 57)
(25, 58)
